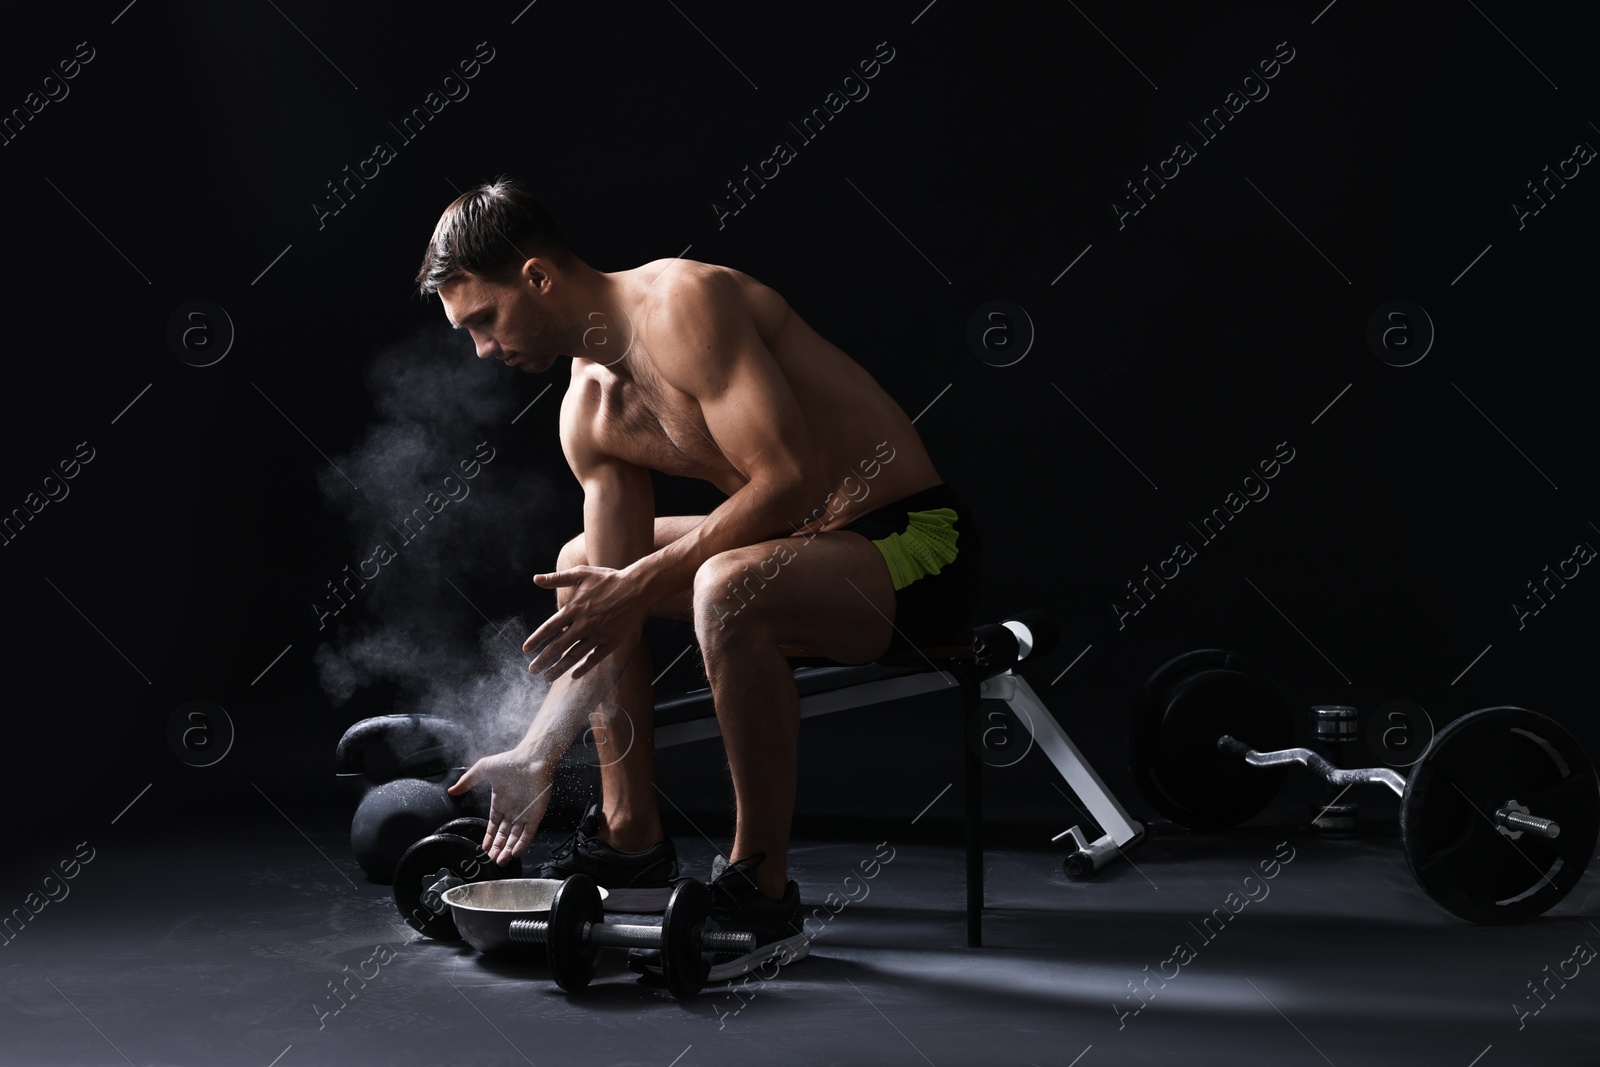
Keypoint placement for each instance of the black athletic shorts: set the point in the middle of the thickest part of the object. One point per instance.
(930, 543)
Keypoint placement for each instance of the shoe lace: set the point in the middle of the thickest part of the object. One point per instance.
(564, 850)
(727, 887)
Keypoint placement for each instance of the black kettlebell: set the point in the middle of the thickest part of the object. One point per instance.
(395, 815)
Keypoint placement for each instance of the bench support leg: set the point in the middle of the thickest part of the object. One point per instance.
(1120, 830)
(974, 795)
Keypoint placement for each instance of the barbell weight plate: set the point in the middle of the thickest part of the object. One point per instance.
(572, 956)
(1189, 662)
(1144, 725)
(683, 963)
(1174, 754)
(1452, 843)
(418, 869)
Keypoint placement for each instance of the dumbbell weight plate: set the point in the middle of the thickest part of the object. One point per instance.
(468, 827)
(474, 829)
(1473, 767)
(418, 868)
(1176, 765)
(572, 956)
(683, 964)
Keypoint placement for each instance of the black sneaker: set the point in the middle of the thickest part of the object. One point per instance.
(736, 904)
(634, 881)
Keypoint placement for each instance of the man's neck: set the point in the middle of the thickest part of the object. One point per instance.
(605, 324)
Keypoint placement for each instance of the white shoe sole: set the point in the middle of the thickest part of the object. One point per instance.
(785, 951)
(788, 950)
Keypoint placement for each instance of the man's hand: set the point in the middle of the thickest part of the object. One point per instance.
(519, 787)
(605, 609)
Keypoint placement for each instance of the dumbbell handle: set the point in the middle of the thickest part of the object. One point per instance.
(1517, 820)
(626, 935)
(1336, 775)
(433, 896)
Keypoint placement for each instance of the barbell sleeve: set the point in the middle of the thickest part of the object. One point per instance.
(1308, 758)
(1518, 820)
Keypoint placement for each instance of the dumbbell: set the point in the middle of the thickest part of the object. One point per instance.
(1335, 728)
(576, 931)
(1498, 819)
(451, 856)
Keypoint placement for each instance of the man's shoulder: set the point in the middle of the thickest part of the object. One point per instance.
(691, 306)
(673, 287)
(661, 273)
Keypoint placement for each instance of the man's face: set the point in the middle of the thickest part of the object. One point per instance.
(508, 321)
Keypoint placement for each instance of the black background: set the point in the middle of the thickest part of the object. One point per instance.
(1206, 330)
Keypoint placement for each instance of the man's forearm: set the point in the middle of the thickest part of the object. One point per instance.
(563, 716)
(754, 513)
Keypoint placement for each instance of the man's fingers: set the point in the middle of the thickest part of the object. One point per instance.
(467, 780)
(496, 818)
(512, 824)
(574, 654)
(522, 840)
(592, 660)
(551, 653)
(550, 628)
(558, 579)
(497, 843)
(508, 849)
(545, 648)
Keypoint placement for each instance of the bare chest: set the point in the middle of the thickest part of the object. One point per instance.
(655, 426)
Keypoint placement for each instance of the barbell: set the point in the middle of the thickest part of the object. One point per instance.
(1498, 819)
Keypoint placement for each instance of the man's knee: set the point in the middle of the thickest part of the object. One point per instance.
(572, 554)
(723, 595)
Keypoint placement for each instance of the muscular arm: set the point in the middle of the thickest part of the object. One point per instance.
(705, 344)
(618, 528)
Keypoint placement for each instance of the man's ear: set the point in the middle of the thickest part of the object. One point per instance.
(536, 272)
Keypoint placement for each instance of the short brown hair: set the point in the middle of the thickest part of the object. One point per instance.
(490, 231)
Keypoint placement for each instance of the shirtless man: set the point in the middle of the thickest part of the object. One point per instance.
(837, 539)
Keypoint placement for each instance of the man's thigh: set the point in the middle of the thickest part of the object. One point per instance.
(828, 595)
(679, 605)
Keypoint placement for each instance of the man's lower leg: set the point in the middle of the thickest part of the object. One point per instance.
(625, 749)
(758, 709)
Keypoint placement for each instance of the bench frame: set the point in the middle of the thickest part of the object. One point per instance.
(836, 687)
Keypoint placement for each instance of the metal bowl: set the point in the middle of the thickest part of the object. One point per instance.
(484, 911)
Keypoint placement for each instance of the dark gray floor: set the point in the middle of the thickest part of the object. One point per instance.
(174, 954)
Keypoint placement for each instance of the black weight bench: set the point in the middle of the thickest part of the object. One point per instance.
(981, 670)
